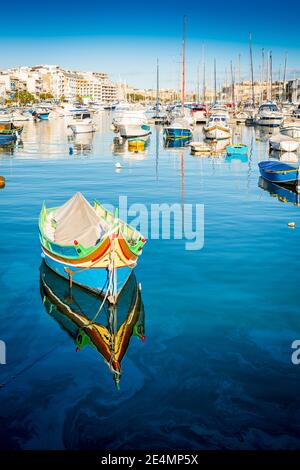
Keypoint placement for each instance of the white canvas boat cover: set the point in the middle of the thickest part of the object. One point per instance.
(77, 220)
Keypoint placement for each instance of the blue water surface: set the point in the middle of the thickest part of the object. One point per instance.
(215, 371)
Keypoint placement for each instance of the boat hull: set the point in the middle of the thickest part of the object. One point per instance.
(7, 138)
(173, 133)
(216, 133)
(268, 121)
(127, 130)
(94, 279)
(279, 173)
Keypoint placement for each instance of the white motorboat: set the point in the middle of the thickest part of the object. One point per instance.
(81, 122)
(131, 123)
(268, 115)
(217, 127)
(283, 143)
(199, 113)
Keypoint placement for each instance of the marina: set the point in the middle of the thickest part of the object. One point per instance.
(242, 224)
(149, 201)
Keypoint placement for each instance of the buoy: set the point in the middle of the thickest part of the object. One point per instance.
(118, 165)
(2, 181)
(291, 225)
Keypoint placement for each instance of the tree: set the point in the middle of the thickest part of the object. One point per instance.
(79, 99)
(62, 98)
(23, 97)
(46, 96)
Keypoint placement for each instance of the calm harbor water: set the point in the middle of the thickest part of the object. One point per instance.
(215, 369)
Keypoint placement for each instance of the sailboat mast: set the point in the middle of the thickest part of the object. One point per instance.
(215, 82)
(198, 83)
(232, 85)
(251, 66)
(183, 64)
(157, 87)
(204, 86)
(284, 78)
(267, 78)
(239, 80)
(262, 74)
(271, 75)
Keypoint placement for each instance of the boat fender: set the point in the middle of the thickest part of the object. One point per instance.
(291, 225)
(2, 181)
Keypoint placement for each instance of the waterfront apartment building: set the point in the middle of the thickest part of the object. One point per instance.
(60, 83)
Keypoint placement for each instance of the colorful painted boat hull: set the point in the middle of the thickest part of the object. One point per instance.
(7, 138)
(280, 173)
(94, 279)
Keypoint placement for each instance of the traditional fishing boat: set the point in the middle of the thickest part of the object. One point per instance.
(217, 128)
(9, 132)
(236, 149)
(89, 245)
(280, 173)
(108, 329)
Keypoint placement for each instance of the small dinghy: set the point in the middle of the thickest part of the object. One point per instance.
(200, 148)
(237, 149)
(283, 143)
(280, 173)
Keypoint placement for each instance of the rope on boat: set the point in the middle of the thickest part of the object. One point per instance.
(111, 288)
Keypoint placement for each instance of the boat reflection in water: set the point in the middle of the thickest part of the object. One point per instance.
(284, 194)
(289, 157)
(77, 312)
(176, 143)
(127, 149)
(232, 158)
(81, 144)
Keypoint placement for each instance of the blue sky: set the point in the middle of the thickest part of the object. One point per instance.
(124, 38)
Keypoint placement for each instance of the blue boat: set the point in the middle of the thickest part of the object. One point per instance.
(179, 129)
(7, 138)
(284, 194)
(237, 149)
(42, 115)
(280, 173)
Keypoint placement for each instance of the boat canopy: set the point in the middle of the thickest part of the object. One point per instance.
(268, 107)
(75, 220)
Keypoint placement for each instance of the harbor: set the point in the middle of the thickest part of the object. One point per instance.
(149, 273)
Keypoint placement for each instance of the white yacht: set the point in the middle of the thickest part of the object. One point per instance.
(131, 122)
(217, 127)
(268, 115)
